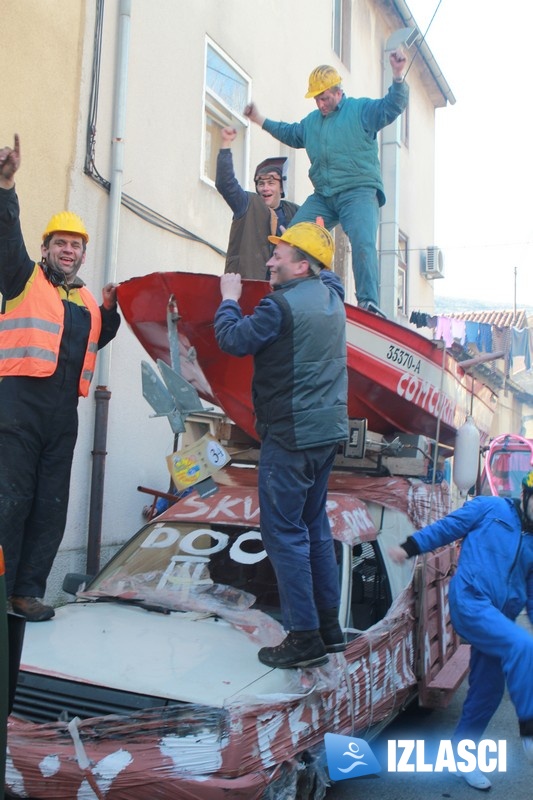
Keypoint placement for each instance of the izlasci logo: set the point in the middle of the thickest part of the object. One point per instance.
(409, 755)
(348, 757)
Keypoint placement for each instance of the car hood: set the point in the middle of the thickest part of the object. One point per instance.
(179, 656)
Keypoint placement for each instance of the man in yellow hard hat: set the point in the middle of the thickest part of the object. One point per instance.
(51, 328)
(297, 336)
(255, 216)
(340, 138)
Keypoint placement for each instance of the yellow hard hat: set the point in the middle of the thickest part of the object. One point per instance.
(69, 223)
(313, 239)
(322, 78)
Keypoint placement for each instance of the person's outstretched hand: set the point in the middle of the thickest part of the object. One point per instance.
(252, 112)
(9, 163)
(231, 286)
(227, 136)
(397, 554)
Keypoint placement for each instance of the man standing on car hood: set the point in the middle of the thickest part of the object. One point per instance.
(297, 335)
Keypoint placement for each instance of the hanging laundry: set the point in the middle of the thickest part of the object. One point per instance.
(501, 342)
(473, 334)
(419, 319)
(520, 350)
(444, 330)
(486, 337)
(458, 330)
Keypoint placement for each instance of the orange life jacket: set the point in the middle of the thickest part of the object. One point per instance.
(31, 330)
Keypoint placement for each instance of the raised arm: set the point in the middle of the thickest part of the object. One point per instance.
(9, 164)
(225, 181)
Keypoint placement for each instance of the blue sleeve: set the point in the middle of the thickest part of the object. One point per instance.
(333, 282)
(377, 114)
(15, 264)
(243, 336)
(292, 134)
(453, 526)
(529, 590)
(228, 185)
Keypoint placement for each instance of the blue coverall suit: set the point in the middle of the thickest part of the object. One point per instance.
(346, 174)
(38, 426)
(300, 400)
(494, 581)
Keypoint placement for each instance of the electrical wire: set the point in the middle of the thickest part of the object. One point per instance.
(423, 38)
(140, 209)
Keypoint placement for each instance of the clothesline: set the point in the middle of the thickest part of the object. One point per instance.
(481, 337)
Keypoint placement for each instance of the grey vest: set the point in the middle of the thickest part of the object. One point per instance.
(300, 380)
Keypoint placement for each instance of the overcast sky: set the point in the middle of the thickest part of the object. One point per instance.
(484, 171)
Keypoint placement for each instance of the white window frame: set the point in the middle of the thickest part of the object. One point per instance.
(341, 33)
(217, 113)
(403, 272)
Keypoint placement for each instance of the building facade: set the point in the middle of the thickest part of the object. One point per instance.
(119, 106)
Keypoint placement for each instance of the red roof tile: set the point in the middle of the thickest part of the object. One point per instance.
(502, 319)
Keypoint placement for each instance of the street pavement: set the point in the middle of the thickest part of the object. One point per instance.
(432, 726)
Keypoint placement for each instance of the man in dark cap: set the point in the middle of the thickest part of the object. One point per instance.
(255, 216)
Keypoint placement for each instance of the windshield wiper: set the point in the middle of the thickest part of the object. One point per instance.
(112, 598)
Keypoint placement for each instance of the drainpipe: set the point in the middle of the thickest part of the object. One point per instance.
(102, 393)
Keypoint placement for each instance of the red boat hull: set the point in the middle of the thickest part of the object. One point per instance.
(398, 380)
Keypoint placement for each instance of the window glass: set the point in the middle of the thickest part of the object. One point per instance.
(224, 81)
(227, 91)
(341, 30)
(184, 566)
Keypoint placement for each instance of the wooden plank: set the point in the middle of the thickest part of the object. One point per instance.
(439, 692)
(453, 672)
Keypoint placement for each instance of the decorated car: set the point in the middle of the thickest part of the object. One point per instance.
(149, 685)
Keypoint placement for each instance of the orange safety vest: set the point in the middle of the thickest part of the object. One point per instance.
(31, 331)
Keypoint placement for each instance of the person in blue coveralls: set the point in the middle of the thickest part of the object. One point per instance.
(297, 336)
(493, 583)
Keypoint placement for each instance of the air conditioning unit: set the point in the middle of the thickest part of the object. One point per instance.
(433, 263)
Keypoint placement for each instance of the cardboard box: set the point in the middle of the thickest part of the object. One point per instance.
(197, 461)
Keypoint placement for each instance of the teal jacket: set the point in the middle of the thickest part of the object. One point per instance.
(342, 146)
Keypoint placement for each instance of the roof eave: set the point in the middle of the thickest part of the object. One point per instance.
(444, 94)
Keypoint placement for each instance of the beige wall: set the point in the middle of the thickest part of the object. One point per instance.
(47, 100)
(40, 64)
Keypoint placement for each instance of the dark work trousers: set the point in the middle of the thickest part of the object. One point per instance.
(38, 431)
(296, 532)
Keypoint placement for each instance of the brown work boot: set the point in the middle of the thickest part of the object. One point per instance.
(298, 649)
(31, 609)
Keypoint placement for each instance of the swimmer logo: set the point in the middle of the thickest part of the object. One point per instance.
(349, 757)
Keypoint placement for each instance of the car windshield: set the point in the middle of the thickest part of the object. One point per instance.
(187, 567)
(508, 467)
